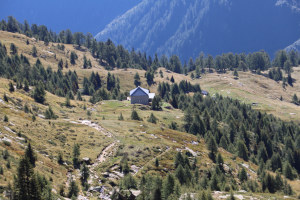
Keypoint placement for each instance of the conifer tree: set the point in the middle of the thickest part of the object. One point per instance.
(209, 62)
(295, 99)
(212, 147)
(12, 25)
(152, 119)
(39, 93)
(235, 74)
(180, 174)
(30, 155)
(287, 66)
(192, 76)
(156, 162)
(62, 190)
(84, 174)
(243, 175)
(11, 87)
(231, 197)
(60, 159)
(149, 75)
(128, 182)
(79, 97)
(73, 58)
(76, 154)
(60, 64)
(179, 160)
(25, 184)
(121, 118)
(73, 190)
(206, 118)
(34, 51)
(276, 162)
(172, 79)
(156, 103)
(268, 183)
(49, 114)
(67, 102)
(135, 116)
(202, 196)
(26, 85)
(290, 79)
(5, 119)
(220, 161)
(13, 49)
(68, 37)
(288, 172)
(168, 186)
(66, 64)
(278, 182)
(214, 185)
(85, 62)
(242, 150)
(157, 194)
(137, 80)
(262, 153)
(5, 97)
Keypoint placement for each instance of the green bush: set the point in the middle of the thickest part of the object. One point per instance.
(135, 116)
(7, 143)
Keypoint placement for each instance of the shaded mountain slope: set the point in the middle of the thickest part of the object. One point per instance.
(187, 27)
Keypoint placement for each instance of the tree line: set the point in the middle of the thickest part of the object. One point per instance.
(112, 56)
(18, 68)
(258, 137)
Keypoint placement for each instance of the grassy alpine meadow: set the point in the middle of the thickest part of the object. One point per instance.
(209, 143)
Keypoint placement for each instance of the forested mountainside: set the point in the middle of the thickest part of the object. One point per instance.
(186, 28)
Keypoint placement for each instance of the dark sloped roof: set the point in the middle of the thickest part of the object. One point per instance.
(139, 88)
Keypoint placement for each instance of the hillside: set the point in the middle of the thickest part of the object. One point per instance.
(249, 88)
(186, 28)
(106, 140)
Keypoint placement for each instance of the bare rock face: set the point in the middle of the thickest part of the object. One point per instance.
(186, 27)
(295, 46)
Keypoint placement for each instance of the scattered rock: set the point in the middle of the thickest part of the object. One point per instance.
(6, 139)
(41, 116)
(86, 160)
(9, 130)
(135, 192)
(135, 169)
(19, 138)
(1, 101)
(191, 151)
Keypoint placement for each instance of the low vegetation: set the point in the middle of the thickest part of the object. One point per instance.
(68, 127)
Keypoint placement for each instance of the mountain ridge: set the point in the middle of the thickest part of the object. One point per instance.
(295, 46)
(214, 27)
